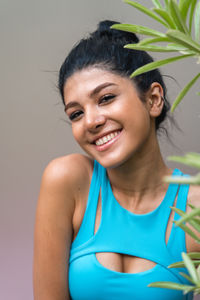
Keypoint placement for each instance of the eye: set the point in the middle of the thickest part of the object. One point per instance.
(75, 115)
(106, 98)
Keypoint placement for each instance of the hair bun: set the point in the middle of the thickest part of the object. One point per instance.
(104, 30)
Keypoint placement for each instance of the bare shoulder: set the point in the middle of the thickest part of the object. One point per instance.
(68, 174)
(194, 199)
(62, 181)
(194, 195)
(70, 167)
(65, 182)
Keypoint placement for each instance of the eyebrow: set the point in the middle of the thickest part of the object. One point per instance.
(70, 104)
(101, 87)
(92, 94)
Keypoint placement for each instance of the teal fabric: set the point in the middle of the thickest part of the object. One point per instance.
(121, 231)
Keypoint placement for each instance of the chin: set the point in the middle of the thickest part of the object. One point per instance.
(113, 159)
(110, 162)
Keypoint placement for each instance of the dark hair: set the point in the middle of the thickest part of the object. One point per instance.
(104, 48)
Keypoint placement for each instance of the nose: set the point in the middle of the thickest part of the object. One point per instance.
(94, 119)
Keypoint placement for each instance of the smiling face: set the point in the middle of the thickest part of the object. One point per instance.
(109, 121)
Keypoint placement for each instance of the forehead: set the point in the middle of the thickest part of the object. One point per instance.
(86, 80)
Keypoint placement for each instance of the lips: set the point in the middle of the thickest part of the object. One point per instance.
(105, 141)
(106, 138)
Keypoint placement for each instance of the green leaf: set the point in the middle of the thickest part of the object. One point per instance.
(178, 211)
(194, 224)
(157, 3)
(184, 7)
(187, 276)
(181, 264)
(171, 285)
(177, 17)
(145, 10)
(166, 4)
(193, 155)
(184, 92)
(191, 221)
(152, 48)
(193, 213)
(183, 39)
(192, 8)
(181, 48)
(137, 29)
(190, 159)
(198, 271)
(147, 41)
(157, 64)
(183, 180)
(197, 23)
(196, 220)
(191, 206)
(166, 16)
(190, 267)
(194, 255)
(196, 290)
(188, 231)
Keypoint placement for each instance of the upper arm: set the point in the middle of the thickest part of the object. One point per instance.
(194, 199)
(53, 229)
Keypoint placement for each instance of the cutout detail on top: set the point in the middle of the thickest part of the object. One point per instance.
(124, 263)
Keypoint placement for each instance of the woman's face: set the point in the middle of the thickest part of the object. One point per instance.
(109, 121)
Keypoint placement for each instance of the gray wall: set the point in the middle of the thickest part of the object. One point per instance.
(35, 37)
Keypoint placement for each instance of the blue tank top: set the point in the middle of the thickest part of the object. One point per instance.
(121, 231)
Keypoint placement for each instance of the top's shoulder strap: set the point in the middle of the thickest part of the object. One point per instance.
(87, 226)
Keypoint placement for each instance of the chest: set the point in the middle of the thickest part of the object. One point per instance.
(112, 260)
(117, 253)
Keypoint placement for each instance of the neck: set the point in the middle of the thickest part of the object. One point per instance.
(141, 175)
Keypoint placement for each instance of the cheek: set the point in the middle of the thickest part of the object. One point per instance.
(77, 133)
(139, 122)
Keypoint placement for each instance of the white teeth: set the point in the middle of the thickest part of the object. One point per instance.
(112, 135)
(106, 138)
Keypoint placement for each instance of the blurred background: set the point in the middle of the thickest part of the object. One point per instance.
(35, 38)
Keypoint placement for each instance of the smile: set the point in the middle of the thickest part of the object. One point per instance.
(107, 138)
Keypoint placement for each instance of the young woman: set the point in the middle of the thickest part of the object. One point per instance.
(104, 227)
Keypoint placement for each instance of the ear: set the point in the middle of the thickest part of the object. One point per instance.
(155, 100)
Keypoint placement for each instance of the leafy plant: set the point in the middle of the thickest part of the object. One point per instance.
(191, 160)
(193, 277)
(182, 22)
(177, 18)
(190, 260)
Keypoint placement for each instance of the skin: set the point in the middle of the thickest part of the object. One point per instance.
(99, 102)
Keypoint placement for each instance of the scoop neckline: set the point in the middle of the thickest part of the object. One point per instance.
(168, 191)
